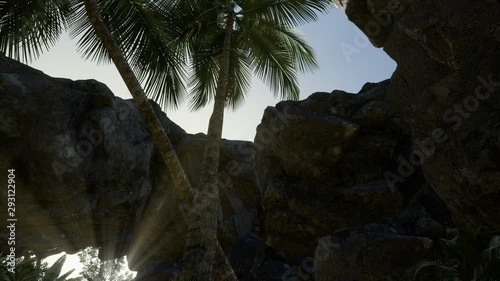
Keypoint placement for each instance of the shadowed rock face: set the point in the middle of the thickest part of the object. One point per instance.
(88, 174)
(447, 86)
(82, 161)
(321, 163)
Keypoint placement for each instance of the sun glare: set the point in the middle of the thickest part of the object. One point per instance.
(73, 262)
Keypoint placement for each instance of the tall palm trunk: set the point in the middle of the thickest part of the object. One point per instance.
(224, 270)
(202, 250)
(152, 122)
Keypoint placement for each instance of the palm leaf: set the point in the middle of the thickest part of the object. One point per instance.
(240, 73)
(88, 44)
(272, 60)
(260, 43)
(288, 12)
(205, 56)
(305, 59)
(28, 28)
(147, 32)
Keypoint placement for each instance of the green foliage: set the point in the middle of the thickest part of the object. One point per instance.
(33, 269)
(264, 42)
(29, 28)
(95, 269)
(171, 43)
(464, 260)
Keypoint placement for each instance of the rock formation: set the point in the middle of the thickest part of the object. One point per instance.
(446, 84)
(338, 186)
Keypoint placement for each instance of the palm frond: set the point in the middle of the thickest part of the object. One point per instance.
(196, 17)
(240, 73)
(272, 60)
(205, 65)
(28, 28)
(147, 32)
(88, 44)
(151, 43)
(288, 12)
(305, 58)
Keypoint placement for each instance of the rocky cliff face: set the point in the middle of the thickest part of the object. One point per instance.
(338, 186)
(325, 165)
(446, 85)
(321, 163)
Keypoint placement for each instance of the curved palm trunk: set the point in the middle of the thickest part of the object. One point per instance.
(152, 122)
(203, 255)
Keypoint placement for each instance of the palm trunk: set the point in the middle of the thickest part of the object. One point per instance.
(152, 122)
(202, 250)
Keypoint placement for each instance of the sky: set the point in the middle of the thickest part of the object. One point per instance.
(346, 60)
(345, 57)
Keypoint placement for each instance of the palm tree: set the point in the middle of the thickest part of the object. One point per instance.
(226, 41)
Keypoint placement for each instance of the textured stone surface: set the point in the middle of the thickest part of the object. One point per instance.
(447, 86)
(387, 249)
(81, 159)
(321, 162)
(371, 256)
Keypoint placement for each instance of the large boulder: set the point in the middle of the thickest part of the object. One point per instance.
(81, 158)
(388, 249)
(370, 256)
(321, 164)
(447, 84)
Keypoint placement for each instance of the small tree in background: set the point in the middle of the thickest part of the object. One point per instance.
(95, 269)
